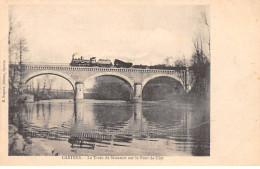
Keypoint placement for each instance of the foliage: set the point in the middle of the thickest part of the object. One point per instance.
(199, 69)
(200, 72)
(110, 88)
(17, 48)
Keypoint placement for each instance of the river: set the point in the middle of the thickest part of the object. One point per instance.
(106, 127)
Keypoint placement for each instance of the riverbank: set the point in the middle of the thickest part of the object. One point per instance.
(19, 146)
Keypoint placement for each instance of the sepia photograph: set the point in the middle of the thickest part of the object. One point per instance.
(126, 80)
(129, 83)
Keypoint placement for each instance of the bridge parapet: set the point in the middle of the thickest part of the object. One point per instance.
(100, 69)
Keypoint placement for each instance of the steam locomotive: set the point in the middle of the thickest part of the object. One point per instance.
(91, 62)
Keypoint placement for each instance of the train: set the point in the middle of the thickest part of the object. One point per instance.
(92, 62)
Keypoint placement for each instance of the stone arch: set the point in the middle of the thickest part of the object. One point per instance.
(162, 75)
(49, 72)
(121, 76)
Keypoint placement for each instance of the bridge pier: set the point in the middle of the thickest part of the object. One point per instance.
(79, 87)
(137, 93)
(186, 86)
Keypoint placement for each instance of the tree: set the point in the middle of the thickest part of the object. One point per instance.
(17, 48)
(167, 60)
(206, 22)
(10, 29)
(199, 74)
(22, 48)
(13, 90)
(181, 62)
(181, 65)
(200, 68)
(16, 74)
(200, 61)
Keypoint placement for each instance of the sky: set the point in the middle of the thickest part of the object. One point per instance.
(137, 34)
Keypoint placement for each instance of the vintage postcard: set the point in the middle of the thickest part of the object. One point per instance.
(130, 83)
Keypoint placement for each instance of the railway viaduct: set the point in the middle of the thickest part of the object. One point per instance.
(77, 76)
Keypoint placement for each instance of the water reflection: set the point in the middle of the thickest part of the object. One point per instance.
(117, 128)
